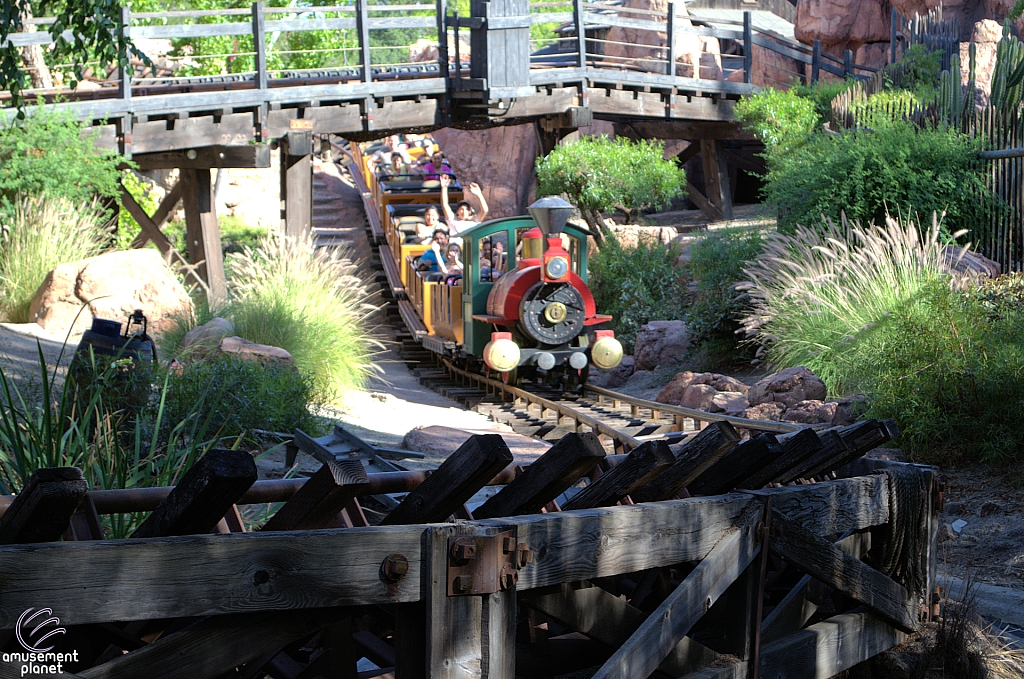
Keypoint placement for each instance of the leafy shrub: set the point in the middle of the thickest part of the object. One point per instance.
(43, 232)
(1001, 296)
(598, 174)
(636, 285)
(141, 189)
(287, 293)
(779, 118)
(821, 93)
(920, 71)
(46, 153)
(248, 396)
(235, 235)
(898, 168)
(717, 263)
(816, 291)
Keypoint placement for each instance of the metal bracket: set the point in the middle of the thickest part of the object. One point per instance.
(485, 564)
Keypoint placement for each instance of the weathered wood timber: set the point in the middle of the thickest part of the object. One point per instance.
(795, 449)
(202, 232)
(247, 156)
(842, 572)
(834, 507)
(321, 498)
(692, 458)
(42, 511)
(833, 448)
(641, 466)
(465, 472)
(733, 467)
(206, 492)
(573, 456)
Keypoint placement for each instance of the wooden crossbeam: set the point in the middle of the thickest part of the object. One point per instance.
(723, 476)
(692, 459)
(207, 157)
(320, 499)
(833, 448)
(203, 496)
(560, 467)
(669, 623)
(703, 204)
(639, 468)
(42, 511)
(466, 471)
(151, 225)
(795, 449)
(607, 618)
(835, 506)
(859, 438)
(842, 572)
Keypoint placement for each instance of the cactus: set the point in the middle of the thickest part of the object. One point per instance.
(1008, 76)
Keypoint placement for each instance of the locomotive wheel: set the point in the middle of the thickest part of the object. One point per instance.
(552, 313)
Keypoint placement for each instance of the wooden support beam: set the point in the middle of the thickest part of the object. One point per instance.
(465, 472)
(296, 189)
(832, 448)
(716, 176)
(834, 507)
(213, 646)
(703, 204)
(837, 569)
(669, 623)
(573, 456)
(859, 438)
(204, 247)
(692, 458)
(723, 476)
(150, 228)
(42, 511)
(639, 468)
(203, 496)
(206, 157)
(795, 449)
(320, 499)
(604, 617)
(85, 523)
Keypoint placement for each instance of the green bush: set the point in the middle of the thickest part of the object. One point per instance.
(599, 174)
(1000, 296)
(898, 168)
(47, 153)
(249, 396)
(43, 233)
(235, 235)
(287, 293)
(779, 118)
(822, 93)
(713, 317)
(636, 285)
(141, 189)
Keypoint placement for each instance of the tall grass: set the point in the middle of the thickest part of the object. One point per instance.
(815, 291)
(309, 301)
(44, 232)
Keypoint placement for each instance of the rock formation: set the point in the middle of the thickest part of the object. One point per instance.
(660, 343)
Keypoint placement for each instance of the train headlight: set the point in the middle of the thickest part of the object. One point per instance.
(557, 267)
(606, 352)
(501, 353)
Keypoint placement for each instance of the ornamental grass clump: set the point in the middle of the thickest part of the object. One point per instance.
(43, 233)
(815, 291)
(309, 301)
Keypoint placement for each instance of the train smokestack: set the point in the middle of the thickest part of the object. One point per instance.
(551, 213)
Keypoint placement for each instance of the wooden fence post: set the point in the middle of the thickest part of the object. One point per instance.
(673, 45)
(124, 87)
(748, 49)
(847, 63)
(363, 29)
(259, 42)
(816, 61)
(442, 38)
(581, 33)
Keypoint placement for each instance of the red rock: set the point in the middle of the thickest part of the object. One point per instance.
(842, 21)
(789, 387)
(205, 339)
(811, 412)
(672, 394)
(730, 403)
(660, 343)
(698, 397)
(765, 411)
(267, 355)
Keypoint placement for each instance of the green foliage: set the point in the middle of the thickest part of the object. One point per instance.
(598, 174)
(1008, 74)
(308, 301)
(919, 72)
(881, 108)
(636, 285)
(43, 233)
(898, 167)
(815, 292)
(47, 153)
(1001, 296)
(235, 235)
(822, 93)
(717, 263)
(141, 189)
(250, 396)
(779, 118)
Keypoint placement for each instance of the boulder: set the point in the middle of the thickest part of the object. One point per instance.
(110, 286)
(698, 397)
(730, 403)
(721, 382)
(849, 410)
(660, 343)
(267, 355)
(788, 387)
(205, 339)
(772, 412)
(811, 412)
(966, 266)
(846, 23)
(672, 393)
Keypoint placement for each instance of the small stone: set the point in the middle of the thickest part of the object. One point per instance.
(729, 403)
(698, 396)
(771, 412)
(989, 508)
(958, 526)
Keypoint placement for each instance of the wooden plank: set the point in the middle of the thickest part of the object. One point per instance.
(607, 618)
(465, 472)
(636, 471)
(247, 156)
(795, 449)
(716, 176)
(213, 646)
(692, 458)
(834, 507)
(321, 498)
(703, 204)
(842, 572)
(203, 496)
(723, 476)
(85, 523)
(668, 624)
(560, 467)
(819, 652)
(202, 232)
(42, 511)
(859, 438)
(150, 230)
(193, 132)
(832, 448)
(296, 192)
(202, 575)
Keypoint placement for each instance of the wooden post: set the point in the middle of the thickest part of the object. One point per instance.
(296, 186)
(363, 31)
(204, 249)
(716, 176)
(692, 459)
(321, 498)
(816, 61)
(42, 511)
(636, 471)
(581, 33)
(847, 63)
(673, 44)
(124, 88)
(893, 35)
(748, 49)
(259, 41)
(442, 38)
